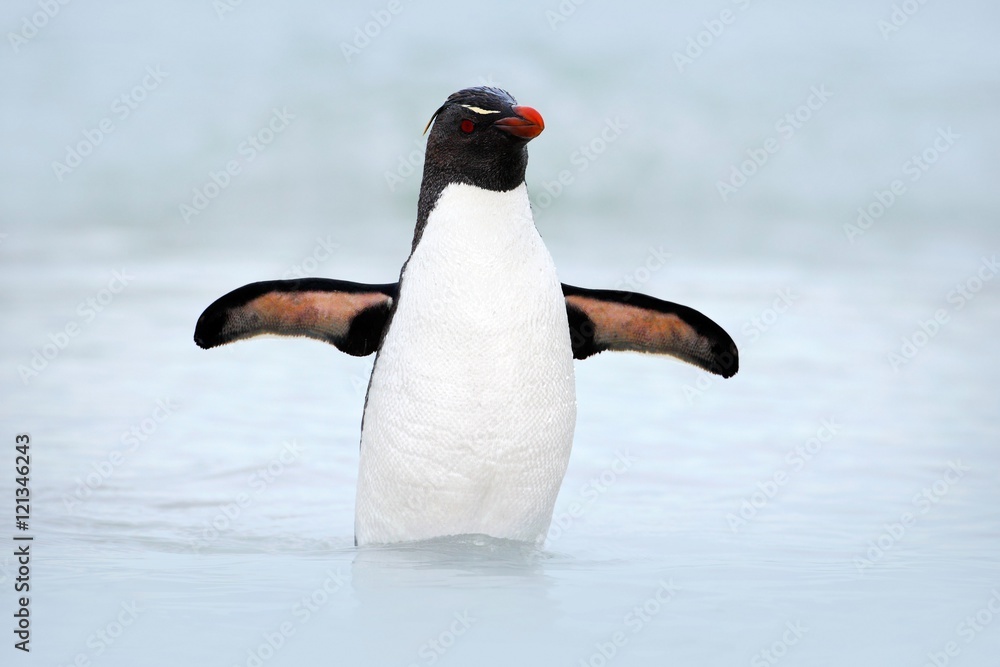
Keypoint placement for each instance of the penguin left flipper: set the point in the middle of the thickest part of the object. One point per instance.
(349, 315)
(602, 320)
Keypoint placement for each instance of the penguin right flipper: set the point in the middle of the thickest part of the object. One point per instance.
(602, 320)
(351, 316)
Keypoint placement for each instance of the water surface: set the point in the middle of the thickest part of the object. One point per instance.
(834, 503)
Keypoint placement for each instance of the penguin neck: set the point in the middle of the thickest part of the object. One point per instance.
(470, 223)
(507, 175)
(430, 192)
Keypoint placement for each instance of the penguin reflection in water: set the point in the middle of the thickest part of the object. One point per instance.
(471, 405)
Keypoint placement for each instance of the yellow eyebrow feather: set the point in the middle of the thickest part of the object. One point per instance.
(479, 110)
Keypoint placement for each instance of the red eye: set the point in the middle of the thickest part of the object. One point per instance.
(467, 126)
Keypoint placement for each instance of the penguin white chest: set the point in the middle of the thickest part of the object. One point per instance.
(471, 408)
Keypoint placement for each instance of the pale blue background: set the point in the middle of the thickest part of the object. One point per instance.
(699, 446)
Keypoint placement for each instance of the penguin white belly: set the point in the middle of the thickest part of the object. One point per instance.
(471, 408)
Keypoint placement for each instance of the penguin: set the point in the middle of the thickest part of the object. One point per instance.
(471, 405)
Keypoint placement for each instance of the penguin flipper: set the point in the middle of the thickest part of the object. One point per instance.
(349, 315)
(602, 320)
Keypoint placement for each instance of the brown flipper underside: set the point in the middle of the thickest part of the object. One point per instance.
(351, 316)
(602, 320)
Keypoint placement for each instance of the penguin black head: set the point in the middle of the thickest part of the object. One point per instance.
(479, 137)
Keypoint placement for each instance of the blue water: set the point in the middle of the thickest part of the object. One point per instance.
(836, 503)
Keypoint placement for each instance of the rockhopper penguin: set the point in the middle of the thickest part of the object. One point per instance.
(471, 406)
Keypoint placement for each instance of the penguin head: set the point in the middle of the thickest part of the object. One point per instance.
(479, 137)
